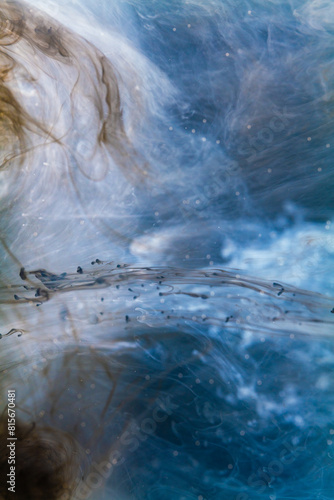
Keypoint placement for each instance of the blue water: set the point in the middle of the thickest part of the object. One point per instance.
(167, 248)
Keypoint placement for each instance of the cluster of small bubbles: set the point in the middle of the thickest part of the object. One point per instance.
(328, 224)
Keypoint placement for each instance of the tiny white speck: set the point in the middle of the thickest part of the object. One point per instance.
(204, 120)
(329, 442)
(319, 169)
(263, 339)
(162, 301)
(331, 432)
(200, 497)
(242, 433)
(211, 381)
(208, 256)
(170, 128)
(211, 262)
(237, 193)
(212, 294)
(156, 214)
(193, 131)
(197, 381)
(82, 222)
(175, 453)
(218, 141)
(269, 170)
(174, 29)
(227, 54)
(197, 202)
(147, 377)
(309, 139)
(237, 276)
(249, 127)
(249, 12)
(35, 234)
(203, 139)
(197, 443)
(180, 375)
(259, 382)
(230, 466)
(189, 25)
(246, 356)
(187, 256)
(328, 145)
(292, 336)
